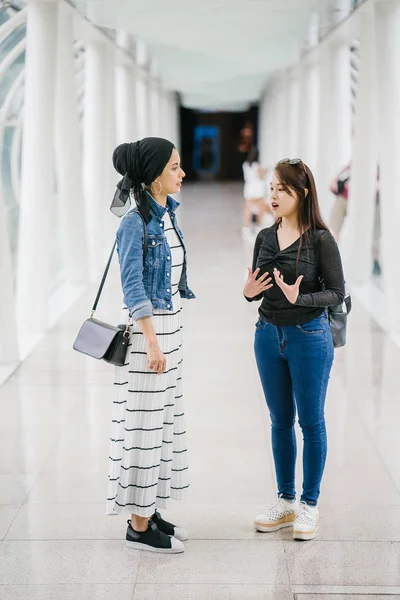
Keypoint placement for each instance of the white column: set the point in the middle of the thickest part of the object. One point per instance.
(93, 149)
(125, 96)
(262, 130)
(154, 109)
(142, 107)
(170, 130)
(163, 112)
(388, 43)
(69, 156)
(142, 94)
(326, 133)
(109, 222)
(356, 238)
(37, 192)
(175, 119)
(309, 114)
(293, 115)
(9, 352)
(341, 116)
(282, 116)
(125, 100)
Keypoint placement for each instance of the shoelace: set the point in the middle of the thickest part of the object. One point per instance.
(279, 508)
(306, 513)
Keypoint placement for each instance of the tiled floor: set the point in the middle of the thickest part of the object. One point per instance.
(58, 544)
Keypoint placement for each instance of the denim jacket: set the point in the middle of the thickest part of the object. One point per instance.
(147, 286)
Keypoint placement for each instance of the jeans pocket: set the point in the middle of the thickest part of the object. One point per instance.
(312, 327)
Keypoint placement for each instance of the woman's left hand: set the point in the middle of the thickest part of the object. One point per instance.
(291, 291)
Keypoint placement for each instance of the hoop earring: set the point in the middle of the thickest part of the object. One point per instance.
(159, 192)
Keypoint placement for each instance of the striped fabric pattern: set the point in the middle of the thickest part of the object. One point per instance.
(148, 454)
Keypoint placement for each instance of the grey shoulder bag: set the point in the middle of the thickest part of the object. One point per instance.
(337, 314)
(101, 340)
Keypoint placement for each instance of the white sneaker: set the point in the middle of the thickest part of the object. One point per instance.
(305, 526)
(281, 515)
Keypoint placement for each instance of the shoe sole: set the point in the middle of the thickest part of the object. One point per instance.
(305, 536)
(138, 546)
(266, 528)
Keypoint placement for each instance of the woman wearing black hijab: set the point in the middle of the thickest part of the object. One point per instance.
(148, 457)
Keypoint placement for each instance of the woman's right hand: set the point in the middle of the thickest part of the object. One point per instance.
(157, 360)
(255, 286)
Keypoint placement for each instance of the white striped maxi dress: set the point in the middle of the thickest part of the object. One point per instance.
(148, 454)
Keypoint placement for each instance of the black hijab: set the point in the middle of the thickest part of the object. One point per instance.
(140, 163)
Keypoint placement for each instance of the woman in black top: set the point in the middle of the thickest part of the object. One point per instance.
(293, 342)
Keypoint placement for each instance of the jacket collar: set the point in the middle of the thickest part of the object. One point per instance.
(159, 211)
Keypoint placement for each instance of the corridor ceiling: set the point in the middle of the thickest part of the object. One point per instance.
(219, 54)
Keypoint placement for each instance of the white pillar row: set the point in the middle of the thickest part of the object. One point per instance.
(356, 238)
(309, 113)
(125, 104)
(68, 155)
(111, 177)
(37, 191)
(293, 115)
(141, 107)
(125, 95)
(341, 115)
(282, 117)
(176, 119)
(335, 130)
(94, 130)
(270, 128)
(165, 124)
(9, 351)
(172, 110)
(274, 125)
(262, 130)
(388, 45)
(154, 109)
(326, 132)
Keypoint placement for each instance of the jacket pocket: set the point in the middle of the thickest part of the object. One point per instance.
(154, 249)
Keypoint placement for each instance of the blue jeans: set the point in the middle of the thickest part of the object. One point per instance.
(294, 363)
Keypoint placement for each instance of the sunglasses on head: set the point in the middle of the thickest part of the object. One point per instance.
(293, 161)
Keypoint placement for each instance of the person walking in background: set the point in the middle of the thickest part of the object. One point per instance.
(340, 188)
(293, 342)
(254, 192)
(148, 458)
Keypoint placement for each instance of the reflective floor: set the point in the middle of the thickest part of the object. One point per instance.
(58, 544)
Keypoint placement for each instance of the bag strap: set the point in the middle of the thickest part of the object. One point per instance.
(106, 270)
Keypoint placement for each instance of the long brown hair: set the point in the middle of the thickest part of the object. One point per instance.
(295, 178)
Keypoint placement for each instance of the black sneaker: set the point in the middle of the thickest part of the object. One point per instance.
(152, 540)
(169, 528)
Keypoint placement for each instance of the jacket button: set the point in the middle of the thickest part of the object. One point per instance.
(168, 306)
(154, 243)
(168, 290)
(168, 274)
(168, 258)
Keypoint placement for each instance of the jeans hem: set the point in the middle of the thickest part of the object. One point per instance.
(287, 496)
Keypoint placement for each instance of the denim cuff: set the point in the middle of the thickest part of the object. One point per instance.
(141, 310)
